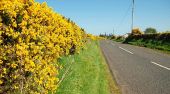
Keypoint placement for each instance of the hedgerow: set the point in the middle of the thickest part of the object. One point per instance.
(159, 41)
(32, 38)
(164, 37)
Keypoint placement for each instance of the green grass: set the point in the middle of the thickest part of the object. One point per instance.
(157, 45)
(88, 74)
(118, 40)
(159, 41)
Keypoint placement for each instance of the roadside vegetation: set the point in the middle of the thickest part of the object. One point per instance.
(119, 39)
(113, 37)
(155, 41)
(86, 73)
(32, 38)
(149, 38)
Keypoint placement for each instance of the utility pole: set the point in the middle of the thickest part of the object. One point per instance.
(133, 7)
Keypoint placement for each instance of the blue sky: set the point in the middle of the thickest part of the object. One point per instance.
(100, 16)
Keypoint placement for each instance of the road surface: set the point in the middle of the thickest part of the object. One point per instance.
(138, 70)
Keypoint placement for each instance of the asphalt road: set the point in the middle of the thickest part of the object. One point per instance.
(138, 70)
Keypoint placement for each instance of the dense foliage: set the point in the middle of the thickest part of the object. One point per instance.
(136, 31)
(108, 36)
(120, 39)
(150, 30)
(159, 41)
(164, 37)
(32, 37)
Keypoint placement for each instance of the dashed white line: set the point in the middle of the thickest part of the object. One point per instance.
(126, 50)
(160, 65)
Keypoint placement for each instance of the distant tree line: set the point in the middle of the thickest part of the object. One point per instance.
(136, 31)
(108, 36)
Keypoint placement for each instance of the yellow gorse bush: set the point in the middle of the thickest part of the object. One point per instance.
(32, 37)
(136, 31)
(93, 37)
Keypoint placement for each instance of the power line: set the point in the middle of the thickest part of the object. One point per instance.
(125, 15)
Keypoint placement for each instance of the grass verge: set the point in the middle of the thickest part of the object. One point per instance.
(156, 45)
(159, 41)
(88, 74)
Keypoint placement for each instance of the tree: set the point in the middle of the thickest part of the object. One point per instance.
(167, 32)
(113, 36)
(150, 30)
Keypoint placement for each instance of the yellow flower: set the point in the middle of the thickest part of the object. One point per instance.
(40, 37)
(19, 40)
(4, 70)
(32, 63)
(11, 30)
(16, 87)
(1, 61)
(15, 76)
(19, 53)
(39, 82)
(1, 82)
(13, 65)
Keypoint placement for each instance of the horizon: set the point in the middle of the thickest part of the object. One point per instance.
(99, 17)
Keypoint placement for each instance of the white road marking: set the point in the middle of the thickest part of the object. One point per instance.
(126, 50)
(160, 65)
